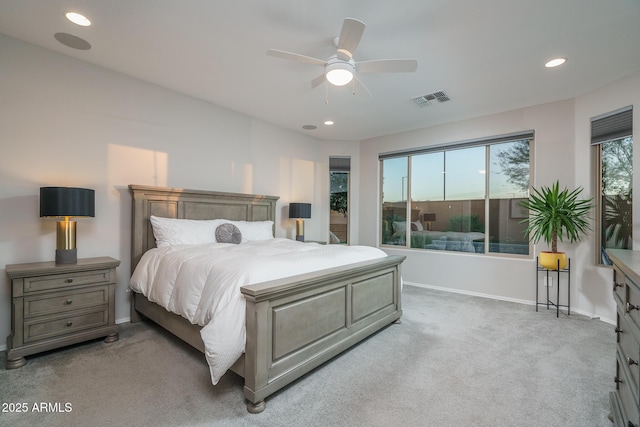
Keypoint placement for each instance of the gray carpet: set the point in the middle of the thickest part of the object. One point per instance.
(455, 360)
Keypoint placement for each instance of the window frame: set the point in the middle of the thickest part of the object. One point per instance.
(484, 142)
(605, 128)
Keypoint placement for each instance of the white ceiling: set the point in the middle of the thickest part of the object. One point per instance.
(486, 55)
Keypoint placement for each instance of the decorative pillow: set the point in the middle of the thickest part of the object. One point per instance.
(254, 230)
(228, 233)
(399, 226)
(418, 226)
(173, 231)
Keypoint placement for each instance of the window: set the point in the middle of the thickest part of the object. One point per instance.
(612, 142)
(394, 201)
(461, 197)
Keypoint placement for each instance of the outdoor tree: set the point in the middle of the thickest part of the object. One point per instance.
(338, 200)
(514, 163)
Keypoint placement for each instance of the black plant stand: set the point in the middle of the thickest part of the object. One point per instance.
(557, 304)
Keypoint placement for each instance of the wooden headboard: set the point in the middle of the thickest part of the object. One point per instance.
(190, 204)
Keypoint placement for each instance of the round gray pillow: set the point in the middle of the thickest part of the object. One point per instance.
(228, 233)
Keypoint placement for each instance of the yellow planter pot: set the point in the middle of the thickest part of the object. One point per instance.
(549, 260)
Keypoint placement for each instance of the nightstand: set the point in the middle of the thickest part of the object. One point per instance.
(54, 305)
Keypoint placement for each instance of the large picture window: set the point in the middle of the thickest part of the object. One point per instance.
(461, 198)
(612, 141)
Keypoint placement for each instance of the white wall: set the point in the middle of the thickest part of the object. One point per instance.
(64, 122)
(591, 294)
(561, 151)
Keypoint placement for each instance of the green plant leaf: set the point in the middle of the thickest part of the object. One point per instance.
(556, 214)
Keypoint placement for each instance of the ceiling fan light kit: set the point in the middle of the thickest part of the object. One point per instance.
(339, 73)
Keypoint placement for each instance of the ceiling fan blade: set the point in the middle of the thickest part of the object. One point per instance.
(349, 39)
(387, 66)
(318, 81)
(295, 57)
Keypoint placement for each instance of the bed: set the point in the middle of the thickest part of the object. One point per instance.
(340, 305)
(461, 241)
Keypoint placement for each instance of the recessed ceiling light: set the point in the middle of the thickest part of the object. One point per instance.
(555, 62)
(78, 19)
(328, 122)
(309, 127)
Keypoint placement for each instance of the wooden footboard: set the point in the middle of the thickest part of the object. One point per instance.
(293, 326)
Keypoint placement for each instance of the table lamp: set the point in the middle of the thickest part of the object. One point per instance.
(429, 218)
(300, 211)
(64, 203)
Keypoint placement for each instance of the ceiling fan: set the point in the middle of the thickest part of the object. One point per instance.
(340, 69)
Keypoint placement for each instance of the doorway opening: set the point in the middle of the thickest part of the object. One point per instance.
(339, 174)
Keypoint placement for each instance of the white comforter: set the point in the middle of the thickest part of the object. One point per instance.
(202, 283)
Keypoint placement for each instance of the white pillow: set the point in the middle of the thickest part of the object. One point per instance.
(172, 231)
(399, 226)
(254, 230)
(418, 225)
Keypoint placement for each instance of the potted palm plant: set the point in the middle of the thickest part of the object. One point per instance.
(555, 215)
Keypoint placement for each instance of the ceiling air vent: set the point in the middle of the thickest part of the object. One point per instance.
(429, 99)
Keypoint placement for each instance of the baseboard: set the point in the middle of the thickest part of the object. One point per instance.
(3, 347)
(501, 298)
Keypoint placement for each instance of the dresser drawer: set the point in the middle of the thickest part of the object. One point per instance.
(632, 306)
(58, 302)
(54, 326)
(619, 286)
(628, 399)
(629, 353)
(76, 278)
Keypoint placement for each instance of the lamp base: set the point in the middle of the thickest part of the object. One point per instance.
(67, 256)
(300, 230)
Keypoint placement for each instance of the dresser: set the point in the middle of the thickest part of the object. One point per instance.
(625, 403)
(54, 305)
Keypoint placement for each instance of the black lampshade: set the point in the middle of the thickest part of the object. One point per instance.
(300, 210)
(67, 201)
(429, 217)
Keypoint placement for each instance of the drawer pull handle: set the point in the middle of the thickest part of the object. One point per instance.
(617, 380)
(69, 323)
(632, 307)
(617, 285)
(630, 361)
(630, 424)
(618, 330)
(69, 301)
(70, 280)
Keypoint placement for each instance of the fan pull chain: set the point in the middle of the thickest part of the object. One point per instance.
(326, 94)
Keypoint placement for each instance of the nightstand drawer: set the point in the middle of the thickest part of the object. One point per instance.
(41, 328)
(77, 278)
(58, 302)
